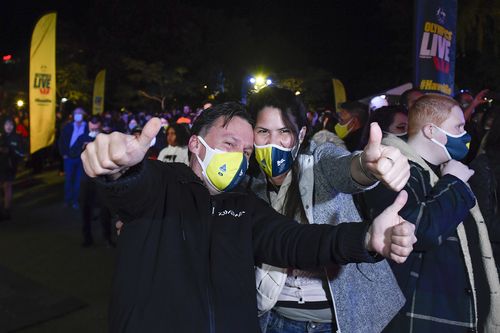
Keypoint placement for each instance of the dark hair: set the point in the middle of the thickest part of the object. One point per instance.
(331, 122)
(403, 98)
(293, 110)
(293, 113)
(6, 119)
(181, 134)
(226, 110)
(356, 109)
(384, 116)
(95, 119)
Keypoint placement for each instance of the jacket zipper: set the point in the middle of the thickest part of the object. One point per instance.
(211, 310)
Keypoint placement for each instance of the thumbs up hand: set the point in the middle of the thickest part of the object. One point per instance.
(384, 163)
(390, 235)
(109, 154)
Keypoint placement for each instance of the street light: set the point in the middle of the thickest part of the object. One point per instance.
(64, 100)
(20, 103)
(259, 81)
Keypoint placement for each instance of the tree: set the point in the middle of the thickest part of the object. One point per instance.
(72, 83)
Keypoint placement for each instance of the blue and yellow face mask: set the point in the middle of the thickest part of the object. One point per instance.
(222, 170)
(274, 160)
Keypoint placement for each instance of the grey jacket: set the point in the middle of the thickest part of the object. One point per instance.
(366, 296)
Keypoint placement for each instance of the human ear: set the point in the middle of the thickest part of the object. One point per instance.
(302, 134)
(428, 131)
(194, 145)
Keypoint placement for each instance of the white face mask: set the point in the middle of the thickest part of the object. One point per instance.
(93, 134)
(78, 117)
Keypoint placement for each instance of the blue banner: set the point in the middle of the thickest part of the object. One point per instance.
(435, 43)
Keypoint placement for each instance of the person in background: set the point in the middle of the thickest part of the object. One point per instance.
(328, 120)
(352, 119)
(485, 183)
(408, 98)
(469, 103)
(89, 197)
(177, 140)
(392, 120)
(11, 151)
(73, 169)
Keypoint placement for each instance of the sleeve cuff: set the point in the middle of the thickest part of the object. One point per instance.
(132, 176)
(353, 243)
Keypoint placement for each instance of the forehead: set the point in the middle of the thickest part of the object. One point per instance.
(343, 113)
(237, 128)
(400, 117)
(455, 117)
(270, 116)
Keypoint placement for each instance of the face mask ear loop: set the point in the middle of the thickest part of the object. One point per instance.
(208, 156)
(440, 144)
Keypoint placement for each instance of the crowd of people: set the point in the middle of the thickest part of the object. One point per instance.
(254, 217)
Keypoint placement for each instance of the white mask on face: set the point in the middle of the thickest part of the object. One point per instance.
(78, 117)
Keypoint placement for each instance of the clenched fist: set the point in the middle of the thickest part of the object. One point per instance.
(111, 153)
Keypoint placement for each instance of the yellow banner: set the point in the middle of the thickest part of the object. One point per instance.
(42, 88)
(98, 99)
(338, 93)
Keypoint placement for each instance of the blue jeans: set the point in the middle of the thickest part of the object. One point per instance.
(273, 322)
(73, 171)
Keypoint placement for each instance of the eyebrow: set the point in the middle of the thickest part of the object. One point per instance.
(230, 136)
(278, 129)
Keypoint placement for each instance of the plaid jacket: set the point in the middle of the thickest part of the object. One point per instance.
(434, 279)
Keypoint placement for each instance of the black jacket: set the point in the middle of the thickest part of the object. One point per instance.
(186, 259)
(65, 139)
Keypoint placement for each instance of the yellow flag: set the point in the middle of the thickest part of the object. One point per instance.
(338, 93)
(42, 90)
(98, 99)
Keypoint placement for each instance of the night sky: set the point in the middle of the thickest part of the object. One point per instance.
(367, 44)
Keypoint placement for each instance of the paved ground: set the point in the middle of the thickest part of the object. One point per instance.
(42, 243)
